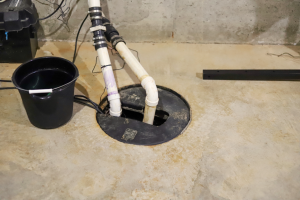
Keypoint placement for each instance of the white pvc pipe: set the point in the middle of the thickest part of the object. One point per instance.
(147, 82)
(132, 62)
(110, 83)
(149, 114)
(108, 75)
(94, 3)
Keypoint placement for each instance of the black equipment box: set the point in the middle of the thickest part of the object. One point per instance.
(18, 31)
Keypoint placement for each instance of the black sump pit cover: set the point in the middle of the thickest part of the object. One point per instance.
(172, 117)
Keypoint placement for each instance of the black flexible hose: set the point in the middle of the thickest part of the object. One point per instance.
(83, 103)
(7, 88)
(74, 57)
(85, 99)
(87, 102)
(53, 12)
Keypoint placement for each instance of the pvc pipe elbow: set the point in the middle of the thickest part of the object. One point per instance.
(149, 85)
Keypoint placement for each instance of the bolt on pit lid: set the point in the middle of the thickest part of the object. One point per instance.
(17, 14)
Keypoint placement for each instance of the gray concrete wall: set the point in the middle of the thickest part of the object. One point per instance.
(192, 21)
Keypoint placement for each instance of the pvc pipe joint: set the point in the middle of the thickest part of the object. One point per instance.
(147, 82)
(113, 97)
(115, 105)
(149, 85)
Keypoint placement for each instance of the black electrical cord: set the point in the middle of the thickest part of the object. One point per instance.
(87, 102)
(7, 88)
(74, 57)
(102, 95)
(83, 100)
(53, 12)
(279, 55)
(64, 12)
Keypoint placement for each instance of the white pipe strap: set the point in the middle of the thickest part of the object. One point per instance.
(97, 28)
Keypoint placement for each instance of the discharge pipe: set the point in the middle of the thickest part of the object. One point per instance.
(100, 44)
(147, 81)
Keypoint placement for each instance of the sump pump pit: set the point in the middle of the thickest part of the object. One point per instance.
(172, 117)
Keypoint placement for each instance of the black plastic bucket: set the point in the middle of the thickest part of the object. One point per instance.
(46, 86)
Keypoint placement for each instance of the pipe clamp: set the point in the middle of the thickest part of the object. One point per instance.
(97, 28)
(99, 38)
(99, 43)
(95, 11)
(96, 17)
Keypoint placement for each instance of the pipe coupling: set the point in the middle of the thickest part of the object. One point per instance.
(113, 97)
(151, 103)
(115, 114)
(149, 85)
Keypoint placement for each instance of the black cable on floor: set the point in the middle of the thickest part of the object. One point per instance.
(87, 102)
(7, 88)
(74, 57)
(279, 55)
(53, 12)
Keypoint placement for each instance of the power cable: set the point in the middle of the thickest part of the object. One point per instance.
(87, 102)
(5, 81)
(40, 19)
(7, 88)
(75, 55)
(279, 55)
(63, 14)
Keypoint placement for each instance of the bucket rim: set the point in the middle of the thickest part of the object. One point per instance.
(40, 58)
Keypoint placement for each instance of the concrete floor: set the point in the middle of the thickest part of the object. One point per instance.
(242, 143)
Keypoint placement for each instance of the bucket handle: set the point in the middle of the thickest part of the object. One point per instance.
(40, 91)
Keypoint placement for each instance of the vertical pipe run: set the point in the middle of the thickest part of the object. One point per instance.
(110, 83)
(101, 48)
(118, 43)
(94, 3)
